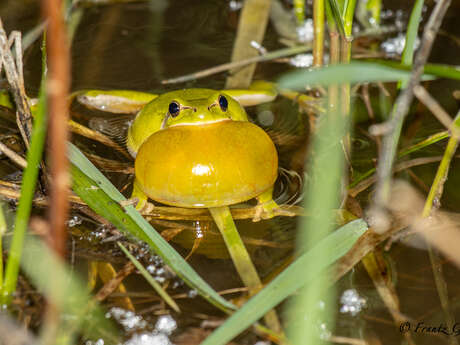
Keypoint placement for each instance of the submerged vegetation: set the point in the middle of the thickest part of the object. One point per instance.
(363, 112)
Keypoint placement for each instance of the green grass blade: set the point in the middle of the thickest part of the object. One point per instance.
(374, 7)
(160, 291)
(332, 27)
(349, 13)
(29, 182)
(362, 71)
(94, 188)
(346, 73)
(407, 56)
(337, 15)
(440, 178)
(345, 4)
(411, 34)
(2, 232)
(432, 139)
(438, 70)
(322, 195)
(66, 292)
(302, 271)
(299, 11)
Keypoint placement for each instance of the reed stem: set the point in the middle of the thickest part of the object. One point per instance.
(318, 38)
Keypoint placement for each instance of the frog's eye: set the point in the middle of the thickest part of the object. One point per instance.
(223, 103)
(174, 108)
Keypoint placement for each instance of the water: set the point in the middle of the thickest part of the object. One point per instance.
(136, 46)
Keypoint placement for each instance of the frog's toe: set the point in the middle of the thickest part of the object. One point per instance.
(147, 208)
(271, 209)
(129, 202)
(265, 210)
(142, 205)
(258, 213)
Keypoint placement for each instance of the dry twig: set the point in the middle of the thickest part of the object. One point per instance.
(400, 110)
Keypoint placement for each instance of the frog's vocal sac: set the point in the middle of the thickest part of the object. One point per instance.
(196, 148)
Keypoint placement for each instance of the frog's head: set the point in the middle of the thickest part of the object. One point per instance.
(190, 107)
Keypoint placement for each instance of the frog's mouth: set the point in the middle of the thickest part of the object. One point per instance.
(195, 123)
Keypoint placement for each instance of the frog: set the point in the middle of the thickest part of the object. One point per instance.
(221, 158)
(196, 148)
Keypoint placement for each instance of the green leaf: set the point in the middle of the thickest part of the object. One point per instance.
(67, 293)
(337, 15)
(438, 70)
(348, 15)
(363, 71)
(101, 196)
(411, 34)
(299, 273)
(29, 182)
(346, 73)
(432, 139)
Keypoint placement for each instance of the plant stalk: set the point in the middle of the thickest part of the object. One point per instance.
(400, 110)
(318, 38)
(251, 27)
(58, 88)
(29, 182)
(241, 258)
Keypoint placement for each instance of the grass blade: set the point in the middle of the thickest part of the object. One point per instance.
(94, 188)
(66, 292)
(438, 70)
(2, 232)
(412, 29)
(347, 73)
(363, 71)
(163, 294)
(337, 15)
(348, 15)
(29, 182)
(432, 139)
(299, 273)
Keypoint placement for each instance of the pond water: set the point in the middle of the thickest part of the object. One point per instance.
(137, 45)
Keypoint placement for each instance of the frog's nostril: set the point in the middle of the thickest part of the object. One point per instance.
(194, 109)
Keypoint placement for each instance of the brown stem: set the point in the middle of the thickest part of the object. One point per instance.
(251, 27)
(58, 88)
(401, 108)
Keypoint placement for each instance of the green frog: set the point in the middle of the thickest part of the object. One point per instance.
(196, 148)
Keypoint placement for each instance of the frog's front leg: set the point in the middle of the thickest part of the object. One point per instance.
(141, 198)
(267, 207)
